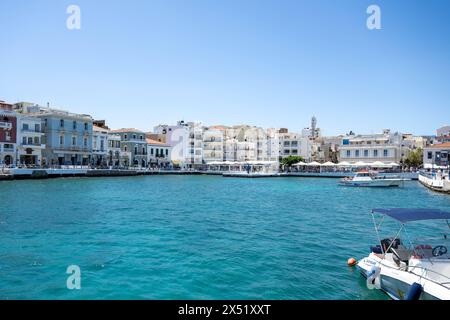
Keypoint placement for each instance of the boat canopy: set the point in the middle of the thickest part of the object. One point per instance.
(406, 215)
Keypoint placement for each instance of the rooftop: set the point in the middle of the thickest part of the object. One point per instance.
(445, 145)
(154, 142)
(126, 130)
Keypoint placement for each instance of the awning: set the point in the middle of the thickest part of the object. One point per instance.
(344, 164)
(328, 164)
(301, 163)
(360, 164)
(394, 164)
(313, 164)
(405, 214)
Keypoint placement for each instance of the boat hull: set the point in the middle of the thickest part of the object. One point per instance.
(372, 183)
(396, 283)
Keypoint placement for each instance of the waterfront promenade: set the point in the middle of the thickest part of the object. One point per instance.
(80, 171)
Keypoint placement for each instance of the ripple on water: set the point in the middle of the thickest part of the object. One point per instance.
(191, 237)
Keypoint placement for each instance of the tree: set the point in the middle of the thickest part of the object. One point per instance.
(290, 160)
(414, 158)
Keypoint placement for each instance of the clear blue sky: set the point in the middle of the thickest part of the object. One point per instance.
(267, 63)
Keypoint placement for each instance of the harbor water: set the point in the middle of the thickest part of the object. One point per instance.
(192, 237)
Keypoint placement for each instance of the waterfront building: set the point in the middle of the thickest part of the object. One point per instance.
(8, 135)
(30, 140)
(100, 156)
(294, 144)
(67, 136)
(186, 142)
(133, 140)
(158, 154)
(116, 156)
(437, 156)
(214, 143)
(195, 146)
(385, 147)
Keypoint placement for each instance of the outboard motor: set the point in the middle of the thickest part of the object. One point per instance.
(414, 292)
(373, 277)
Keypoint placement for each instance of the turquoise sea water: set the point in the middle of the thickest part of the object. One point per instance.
(191, 237)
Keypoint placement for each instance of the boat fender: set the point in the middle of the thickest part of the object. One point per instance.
(414, 291)
(373, 277)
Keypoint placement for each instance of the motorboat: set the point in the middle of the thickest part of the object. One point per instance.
(413, 271)
(371, 179)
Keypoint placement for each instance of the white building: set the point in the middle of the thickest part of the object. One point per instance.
(100, 146)
(186, 142)
(214, 144)
(437, 156)
(158, 154)
(30, 140)
(294, 144)
(385, 147)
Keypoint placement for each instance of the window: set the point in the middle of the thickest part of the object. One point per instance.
(61, 123)
(25, 126)
(348, 153)
(125, 136)
(141, 137)
(74, 125)
(135, 150)
(37, 128)
(366, 153)
(85, 142)
(385, 153)
(102, 145)
(151, 151)
(167, 152)
(134, 136)
(125, 148)
(30, 141)
(36, 140)
(8, 136)
(356, 153)
(294, 151)
(24, 140)
(286, 143)
(74, 141)
(375, 153)
(86, 126)
(61, 140)
(429, 155)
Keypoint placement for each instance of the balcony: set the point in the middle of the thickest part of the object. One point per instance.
(5, 125)
(33, 145)
(32, 131)
(8, 149)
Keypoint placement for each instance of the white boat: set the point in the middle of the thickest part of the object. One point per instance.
(371, 179)
(409, 272)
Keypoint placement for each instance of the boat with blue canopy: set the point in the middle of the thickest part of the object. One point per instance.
(409, 270)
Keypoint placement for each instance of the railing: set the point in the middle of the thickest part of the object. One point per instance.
(5, 125)
(33, 145)
(32, 130)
